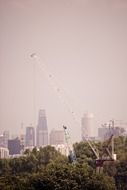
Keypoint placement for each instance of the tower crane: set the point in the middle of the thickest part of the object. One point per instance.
(71, 156)
(105, 154)
(101, 157)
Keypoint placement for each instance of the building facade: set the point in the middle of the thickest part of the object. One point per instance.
(30, 137)
(106, 132)
(4, 139)
(87, 125)
(4, 152)
(1, 140)
(56, 137)
(14, 146)
(62, 148)
(42, 130)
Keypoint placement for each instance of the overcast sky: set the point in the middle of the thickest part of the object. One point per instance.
(82, 43)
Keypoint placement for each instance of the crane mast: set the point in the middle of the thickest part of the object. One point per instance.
(106, 153)
(71, 155)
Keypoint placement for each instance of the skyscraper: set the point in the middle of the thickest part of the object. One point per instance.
(42, 129)
(30, 136)
(87, 123)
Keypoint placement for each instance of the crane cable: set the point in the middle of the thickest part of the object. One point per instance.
(59, 90)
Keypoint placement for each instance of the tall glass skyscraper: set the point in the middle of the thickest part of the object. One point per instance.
(42, 129)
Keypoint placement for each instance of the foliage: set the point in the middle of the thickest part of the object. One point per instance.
(47, 169)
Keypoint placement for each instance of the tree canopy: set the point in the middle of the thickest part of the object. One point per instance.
(47, 169)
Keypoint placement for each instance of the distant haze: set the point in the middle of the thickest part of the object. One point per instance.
(82, 43)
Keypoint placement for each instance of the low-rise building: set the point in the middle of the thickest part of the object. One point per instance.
(14, 146)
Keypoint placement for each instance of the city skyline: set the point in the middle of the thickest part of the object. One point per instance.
(28, 134)
(81, 43)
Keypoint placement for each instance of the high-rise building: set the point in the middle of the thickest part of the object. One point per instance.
(42, 129)
(30, 136)
(56, 137)
(87, 124)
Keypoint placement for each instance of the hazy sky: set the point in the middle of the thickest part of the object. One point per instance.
(83, 43)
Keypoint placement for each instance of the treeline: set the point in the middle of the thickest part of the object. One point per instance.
(47, 169)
